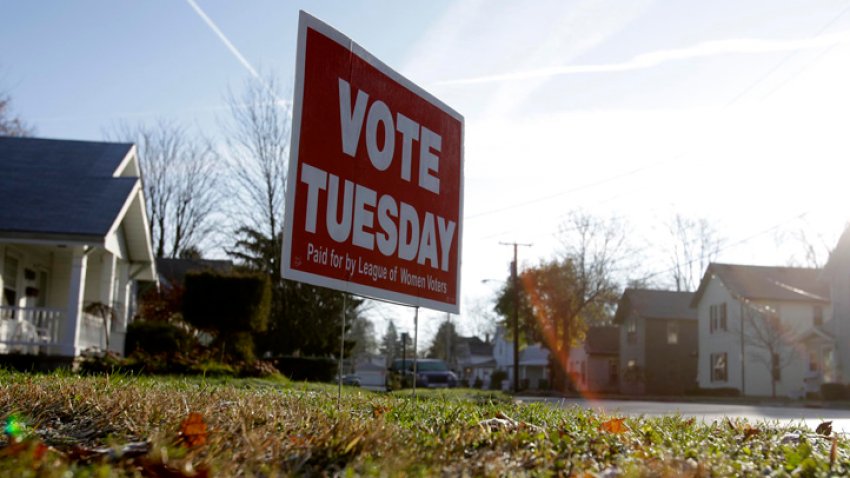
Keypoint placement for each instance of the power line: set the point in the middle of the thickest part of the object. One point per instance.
(568, 191)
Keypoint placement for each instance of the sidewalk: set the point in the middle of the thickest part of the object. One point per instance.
(753, 401)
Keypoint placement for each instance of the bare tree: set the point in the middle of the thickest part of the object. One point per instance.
(11, 125)
(771, 339)
(181, 184)
(599, 249)
(695, 245)
(258, 135)
(812, 249)
(561, 296)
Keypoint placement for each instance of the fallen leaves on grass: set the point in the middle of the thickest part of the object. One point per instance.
(502, 422)
(825, 428)
(749, 431)
(30, 450)
(193, 430)
(745, 429)
(130, 450)
(614, 425)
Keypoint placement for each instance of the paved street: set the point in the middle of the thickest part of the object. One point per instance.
(708, 412)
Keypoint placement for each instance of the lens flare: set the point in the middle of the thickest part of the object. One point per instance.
(14, 427)
(554, 336)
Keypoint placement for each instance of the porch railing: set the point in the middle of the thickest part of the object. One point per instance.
(29, 327)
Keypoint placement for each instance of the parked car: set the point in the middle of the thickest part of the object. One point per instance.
(430, 373)
(351, 380)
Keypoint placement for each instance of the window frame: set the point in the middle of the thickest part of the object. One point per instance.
(719, 374)
(672, 332)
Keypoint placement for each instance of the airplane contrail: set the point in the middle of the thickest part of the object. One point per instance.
(657, 58)
(233, 50)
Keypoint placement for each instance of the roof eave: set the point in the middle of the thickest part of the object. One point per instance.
(59, 239)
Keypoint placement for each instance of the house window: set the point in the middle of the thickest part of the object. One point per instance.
(631, 331)
(817, 319)
(717, 317)
(718, 367)
(813, 362)
(612, 371)
(672, 332)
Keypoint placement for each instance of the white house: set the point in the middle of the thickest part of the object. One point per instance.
(762, 329)
(533, 361)
(475, 360)
(74, 241)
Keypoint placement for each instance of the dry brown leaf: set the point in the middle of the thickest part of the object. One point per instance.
(193, 430)
(379, 410)
(614, 425)
(825, 429)
(750, 431)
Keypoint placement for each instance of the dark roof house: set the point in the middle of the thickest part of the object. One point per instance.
(658, 342)
(769, 283)
(73, 232)
(173, 271)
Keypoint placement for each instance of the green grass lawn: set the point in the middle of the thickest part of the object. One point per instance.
(171, 427)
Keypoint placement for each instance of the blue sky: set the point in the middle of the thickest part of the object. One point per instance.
(733, 111)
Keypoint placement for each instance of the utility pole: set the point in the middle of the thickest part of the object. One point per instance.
(515, 281)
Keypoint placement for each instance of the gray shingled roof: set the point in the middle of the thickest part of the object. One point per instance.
(655, 304)
(768, 283)
(478, 346)
(61, 188)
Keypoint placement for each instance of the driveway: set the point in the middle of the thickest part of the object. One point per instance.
(708, 412)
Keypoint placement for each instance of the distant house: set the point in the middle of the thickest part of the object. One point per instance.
(372, 371)
(475, 360)
(658, 342)
(74, 242)
(173, 271)
(594, 364)
(533, 361)
(762, 328)
(534, 367)
(836, 274)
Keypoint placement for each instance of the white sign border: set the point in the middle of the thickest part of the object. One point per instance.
(307, 21)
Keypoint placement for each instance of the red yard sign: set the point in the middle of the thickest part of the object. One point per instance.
(374, 195)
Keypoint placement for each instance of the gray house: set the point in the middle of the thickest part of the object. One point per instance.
(658, 342)
(74, 241)
(836, 274)
(594, 364)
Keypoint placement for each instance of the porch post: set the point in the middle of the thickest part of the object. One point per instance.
(107, 278)
(70, 338)
(107, 290)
